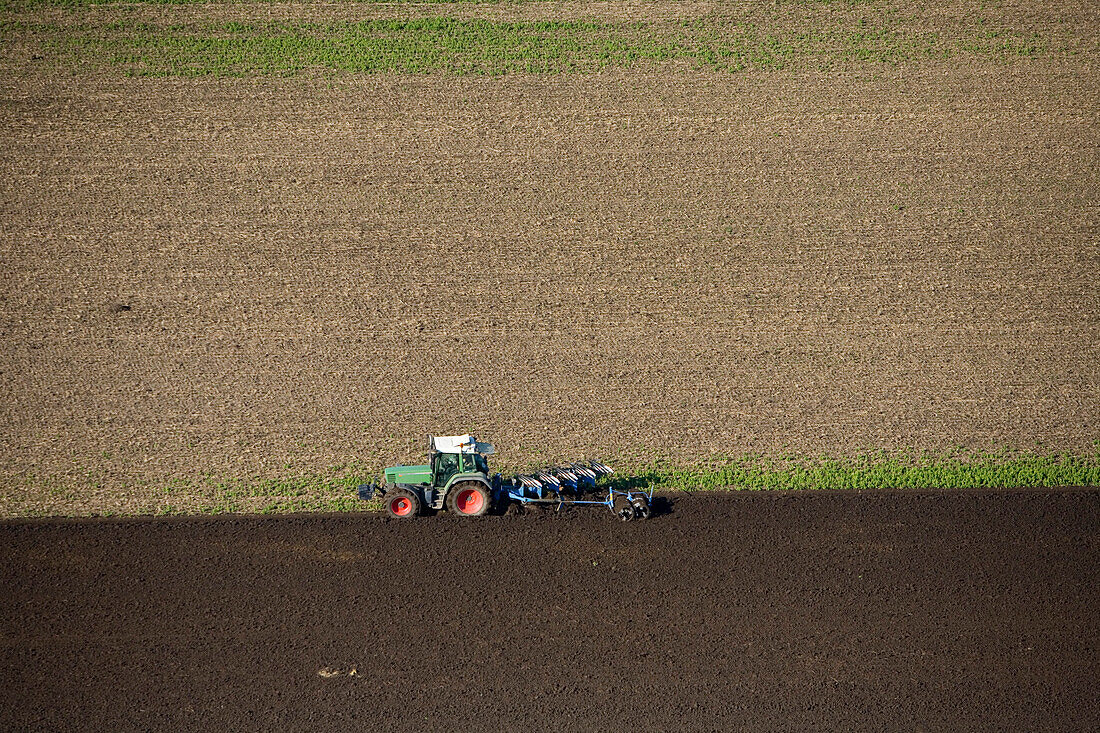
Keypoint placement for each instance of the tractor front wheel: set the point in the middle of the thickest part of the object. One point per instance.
(402, 504)
(469, 499)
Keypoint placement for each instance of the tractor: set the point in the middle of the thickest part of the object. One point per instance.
(457, 478)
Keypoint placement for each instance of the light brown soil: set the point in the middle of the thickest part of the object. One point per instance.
(615, 265)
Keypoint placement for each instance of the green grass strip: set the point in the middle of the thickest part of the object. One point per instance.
(443, 45)
(960, 469)
(334, 490)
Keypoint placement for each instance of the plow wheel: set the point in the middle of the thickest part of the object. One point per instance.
(402, 504)
(641, 506)
(623, 509)
(469, 499)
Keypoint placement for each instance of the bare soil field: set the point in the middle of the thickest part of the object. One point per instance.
(832, 611)
(259, 276)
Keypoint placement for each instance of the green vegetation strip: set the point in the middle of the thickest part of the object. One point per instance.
(335, 489)
(443, 45)
(959, 470)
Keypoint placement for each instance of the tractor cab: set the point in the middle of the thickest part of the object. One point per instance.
(459, 461)
(445, 466)
(450, 456)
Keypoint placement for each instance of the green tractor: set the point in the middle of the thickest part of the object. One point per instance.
(456, 477)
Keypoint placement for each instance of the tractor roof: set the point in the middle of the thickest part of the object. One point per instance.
(460, 444)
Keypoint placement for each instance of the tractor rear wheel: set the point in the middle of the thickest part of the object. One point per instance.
(402, 504)
(469, 499)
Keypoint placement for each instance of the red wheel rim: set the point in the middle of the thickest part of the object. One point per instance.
(401, 506)
(470, 501)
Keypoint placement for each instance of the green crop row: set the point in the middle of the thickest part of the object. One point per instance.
(473, 46)
(334, 490)
(928, 471)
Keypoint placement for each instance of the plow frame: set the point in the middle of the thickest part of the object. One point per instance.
(571, 485)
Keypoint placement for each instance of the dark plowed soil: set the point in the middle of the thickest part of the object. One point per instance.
(914, 611)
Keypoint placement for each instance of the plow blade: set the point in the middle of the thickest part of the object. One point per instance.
(570, 479)
(575, 483)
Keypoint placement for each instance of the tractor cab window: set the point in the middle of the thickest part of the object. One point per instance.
(446, 465)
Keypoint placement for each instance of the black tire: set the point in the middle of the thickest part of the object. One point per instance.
(623, 509)
(402, 504)
(469, 499)
(641, 506)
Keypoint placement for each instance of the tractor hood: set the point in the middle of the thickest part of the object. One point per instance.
(409, 475)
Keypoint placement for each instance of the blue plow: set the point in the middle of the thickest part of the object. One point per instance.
(576, 483)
